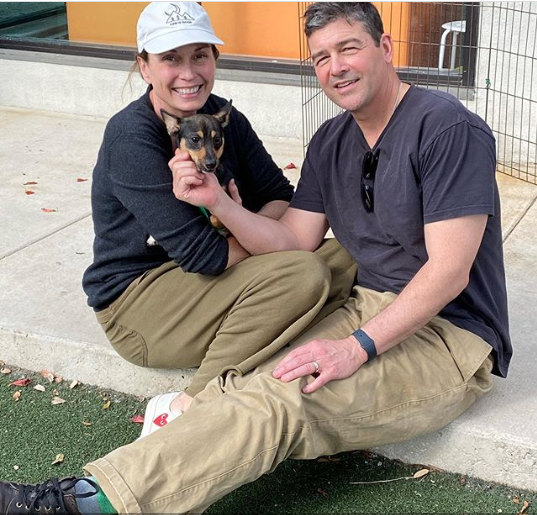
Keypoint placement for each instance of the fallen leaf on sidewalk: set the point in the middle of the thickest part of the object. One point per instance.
(525, 507)
(74, 383)
(59, 459)
(5, 371)
(137, 419)
(418, 475)
(290, 166)
(17, 395)
(29, 183)
(48, 210)
(107, 404)
(58, 400)
(80, 179)
(39, 388)
(21, 382)
(29, 192)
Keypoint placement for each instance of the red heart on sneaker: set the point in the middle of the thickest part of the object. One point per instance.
(161, 420)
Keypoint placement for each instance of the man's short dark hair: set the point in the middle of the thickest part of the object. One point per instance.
(320, 14)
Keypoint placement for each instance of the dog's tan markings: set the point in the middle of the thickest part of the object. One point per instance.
(202, 153)
(219, 152)
(183, 147)
(198, 156)
(200, 134)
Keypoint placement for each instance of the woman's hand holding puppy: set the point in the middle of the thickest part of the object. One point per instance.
(193, 186)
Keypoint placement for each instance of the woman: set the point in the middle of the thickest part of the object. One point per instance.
(194, 299)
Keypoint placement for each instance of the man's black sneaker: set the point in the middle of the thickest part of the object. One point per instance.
(55, 496)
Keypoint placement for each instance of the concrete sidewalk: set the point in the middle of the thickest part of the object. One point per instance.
(46, 244)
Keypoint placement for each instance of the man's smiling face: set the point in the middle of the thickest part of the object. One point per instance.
(350, 67)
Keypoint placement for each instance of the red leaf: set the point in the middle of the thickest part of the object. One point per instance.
(137, 419)
(29, 182)
(21, 382)
(80, 179)
(29, 192)
(48, 210)
(290, 166)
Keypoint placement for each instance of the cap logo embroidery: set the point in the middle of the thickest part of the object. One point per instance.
(176, 17)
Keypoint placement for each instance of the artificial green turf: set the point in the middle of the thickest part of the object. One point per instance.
(33, 432)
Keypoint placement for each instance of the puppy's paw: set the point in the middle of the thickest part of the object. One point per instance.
(216, 223)
(219, 226)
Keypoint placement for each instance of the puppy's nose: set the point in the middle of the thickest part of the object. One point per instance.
(210, 165)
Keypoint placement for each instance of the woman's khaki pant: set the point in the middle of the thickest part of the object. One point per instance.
(243, 425)
(172, 319)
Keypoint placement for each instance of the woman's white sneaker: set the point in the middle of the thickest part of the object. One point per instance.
(158, 413)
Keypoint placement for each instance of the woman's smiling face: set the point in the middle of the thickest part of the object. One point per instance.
(182, 78)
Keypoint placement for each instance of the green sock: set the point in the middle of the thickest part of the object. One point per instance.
(104, 504)
(88, 501)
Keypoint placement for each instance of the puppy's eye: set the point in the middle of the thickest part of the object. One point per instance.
(195, 139)
(218, 140)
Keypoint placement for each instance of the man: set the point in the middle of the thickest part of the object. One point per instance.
(405, 178)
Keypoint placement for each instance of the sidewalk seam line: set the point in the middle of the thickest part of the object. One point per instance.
(515, 225)
(37, 240)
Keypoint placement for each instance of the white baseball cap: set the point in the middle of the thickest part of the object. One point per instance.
(163, 26)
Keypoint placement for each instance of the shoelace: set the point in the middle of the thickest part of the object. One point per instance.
(49, 495)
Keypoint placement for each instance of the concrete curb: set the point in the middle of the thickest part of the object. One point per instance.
(88, 363)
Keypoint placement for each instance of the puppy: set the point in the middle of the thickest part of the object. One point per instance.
(202, 136)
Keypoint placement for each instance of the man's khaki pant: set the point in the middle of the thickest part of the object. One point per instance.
(243, 425)
(171, 319)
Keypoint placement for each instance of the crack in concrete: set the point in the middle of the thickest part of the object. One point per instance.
(44, 237)
(515, 225)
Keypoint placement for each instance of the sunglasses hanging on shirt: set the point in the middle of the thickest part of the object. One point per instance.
(369, 170)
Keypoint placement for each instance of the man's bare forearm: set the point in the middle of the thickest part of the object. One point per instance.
(256, 233)
(274, 209)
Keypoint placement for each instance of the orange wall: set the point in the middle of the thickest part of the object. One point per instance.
(395, 17)
(110, 23)
(264, 29)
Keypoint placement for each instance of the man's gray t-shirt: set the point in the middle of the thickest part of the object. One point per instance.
(436, 162)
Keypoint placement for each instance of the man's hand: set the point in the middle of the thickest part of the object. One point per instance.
(191, 185)
(336, 359)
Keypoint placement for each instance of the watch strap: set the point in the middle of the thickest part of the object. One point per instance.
(366, 343)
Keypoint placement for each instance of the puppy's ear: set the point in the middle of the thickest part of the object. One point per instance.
(172, 122)
(223, 115)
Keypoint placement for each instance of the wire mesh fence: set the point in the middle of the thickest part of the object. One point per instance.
(484, 53)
